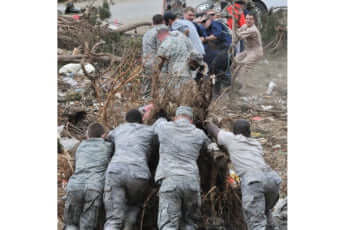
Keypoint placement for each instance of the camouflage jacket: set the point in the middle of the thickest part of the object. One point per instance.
(150, 46)
(180, 144)
(92, 158)
(177, 49)
(133, 143)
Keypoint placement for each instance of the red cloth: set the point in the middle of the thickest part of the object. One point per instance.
(242, 20)
(76, 16)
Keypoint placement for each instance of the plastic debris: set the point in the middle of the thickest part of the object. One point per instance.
(76, 16)
(213, 147)
(70, 81)
(118, 95)
(233, 179)
(89, 69)
(59, 130)
(266, 107)
(270, 87)
(257, 118)
(76, 69)
(276, 146)
(69, 143)
(256, 134)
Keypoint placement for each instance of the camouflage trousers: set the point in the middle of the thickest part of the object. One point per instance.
(147, 81)
(123, 197)
(82, 209)
(179, 204)
(260, 192)
(280, 214)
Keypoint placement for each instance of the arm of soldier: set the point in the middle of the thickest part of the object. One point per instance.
(159, 125)
(148, 52)
(212, 129)
(180, 27)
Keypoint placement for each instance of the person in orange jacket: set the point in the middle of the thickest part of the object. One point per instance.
(239, 5)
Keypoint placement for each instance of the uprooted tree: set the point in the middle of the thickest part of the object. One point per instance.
(114, 89)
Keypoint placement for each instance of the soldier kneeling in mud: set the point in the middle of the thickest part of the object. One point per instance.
(85, 186)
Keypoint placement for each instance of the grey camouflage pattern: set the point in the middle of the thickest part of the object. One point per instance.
(176, 6)
(177, 49)
(82, 209)
(92, 158)
(180, 144)
(280, 214)
(179, 193)
(260, 192)
(133, 143)
(123, 196)
(150, 47)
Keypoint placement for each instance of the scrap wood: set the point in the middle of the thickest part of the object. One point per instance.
(92, 56)
(129, 27)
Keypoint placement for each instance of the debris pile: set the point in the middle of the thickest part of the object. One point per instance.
(106, 80)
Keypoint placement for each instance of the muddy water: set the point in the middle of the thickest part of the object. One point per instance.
(131, 11)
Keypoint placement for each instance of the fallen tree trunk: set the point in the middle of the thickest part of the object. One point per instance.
(129, 27)
(78, 58)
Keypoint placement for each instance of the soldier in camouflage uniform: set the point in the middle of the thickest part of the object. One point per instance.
(128, 174)
(259, 183)
(178, 172)
(174, 6)
(150, 47)
(85, 186)
(176, 51)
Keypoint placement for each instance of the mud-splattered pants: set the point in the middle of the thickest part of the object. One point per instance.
(260, 192)
(123, 197)
(82, 209)
(179, 203)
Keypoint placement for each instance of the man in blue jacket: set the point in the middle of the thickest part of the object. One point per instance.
(217, 41)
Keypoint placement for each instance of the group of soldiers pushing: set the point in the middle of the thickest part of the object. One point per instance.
(182, 43)
(112, 170)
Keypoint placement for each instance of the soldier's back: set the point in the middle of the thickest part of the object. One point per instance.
(180, 144)
(133, 144)
(92, 158)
